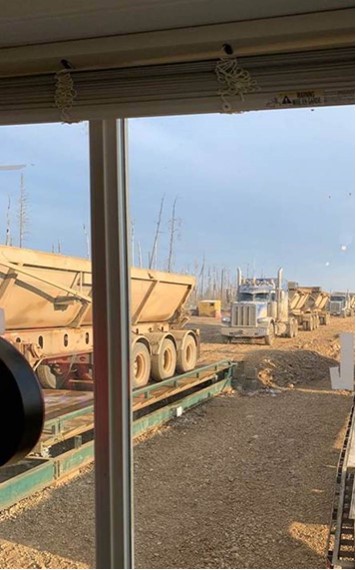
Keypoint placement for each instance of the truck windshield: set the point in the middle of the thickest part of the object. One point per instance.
(246, 297)
(253, 297)
(261, 296)
(337, 298)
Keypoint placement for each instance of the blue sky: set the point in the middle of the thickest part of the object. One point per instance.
(259, 190)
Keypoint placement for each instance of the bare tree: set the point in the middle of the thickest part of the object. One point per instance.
(87, 242)
(23, 212)
(8, 238)
(133, 243)
(154, 252)
(215, 285)
(209, 287)
(201, 277)
(59, 247)
(222, 286)
(174, 224)
(196, 275)
(139, 251)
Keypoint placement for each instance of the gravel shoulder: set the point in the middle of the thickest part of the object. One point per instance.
(244, 481)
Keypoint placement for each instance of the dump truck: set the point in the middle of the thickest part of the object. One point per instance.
(47, 304)
(342, 304)
(261, 310)
(309, 305)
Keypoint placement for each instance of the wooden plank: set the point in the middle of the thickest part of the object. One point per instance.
(74, 427)
(58, 402)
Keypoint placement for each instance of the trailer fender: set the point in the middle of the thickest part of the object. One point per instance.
(180, 337)
(140, 338)
(156, 340)
(266, 322)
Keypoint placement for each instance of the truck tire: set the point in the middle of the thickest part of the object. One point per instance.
(187, 356)
(269, 338)
(141, 365)
(49, 379)
(290, 330)
(164, 363)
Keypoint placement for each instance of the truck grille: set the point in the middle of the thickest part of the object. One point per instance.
(335, 307)
(244, 315)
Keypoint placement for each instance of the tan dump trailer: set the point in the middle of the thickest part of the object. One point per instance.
(47, 305)
(319, 302)
(308, 305)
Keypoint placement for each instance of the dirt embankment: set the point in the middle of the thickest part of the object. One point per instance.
(305, 359)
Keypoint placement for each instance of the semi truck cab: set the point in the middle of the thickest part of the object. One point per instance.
(342, 304)
(260, 311)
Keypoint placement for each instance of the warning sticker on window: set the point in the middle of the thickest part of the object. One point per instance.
(297, 99)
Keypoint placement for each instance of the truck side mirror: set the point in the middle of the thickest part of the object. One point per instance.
(21, 405)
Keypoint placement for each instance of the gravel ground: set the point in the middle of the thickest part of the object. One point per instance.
(245, 481)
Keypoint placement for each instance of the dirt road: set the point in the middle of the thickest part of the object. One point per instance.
(245, 481)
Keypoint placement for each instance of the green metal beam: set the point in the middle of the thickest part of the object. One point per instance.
(41, 476)
(73, 459)
(217, 366)
(163, 415)
(54, 424)
(23, 485)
